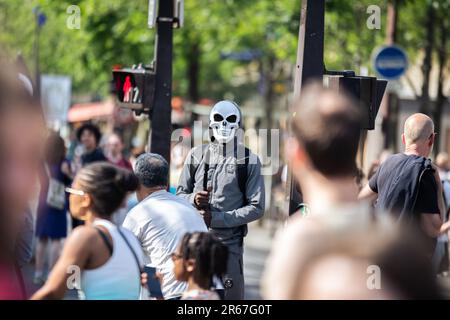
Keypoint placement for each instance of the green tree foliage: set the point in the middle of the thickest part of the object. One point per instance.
(348, 41)
(115, 32)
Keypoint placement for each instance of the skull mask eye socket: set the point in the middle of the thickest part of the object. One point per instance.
(232, 119)
(218, 117)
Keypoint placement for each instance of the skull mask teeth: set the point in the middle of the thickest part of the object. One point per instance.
(224, 120)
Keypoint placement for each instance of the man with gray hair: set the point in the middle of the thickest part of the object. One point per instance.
(160, 220)
(407, 184)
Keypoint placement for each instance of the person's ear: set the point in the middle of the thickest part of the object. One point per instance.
(190, 265)
(295, 153)
(403, 139)
(432, 138)
(291, 149)
(86, 201)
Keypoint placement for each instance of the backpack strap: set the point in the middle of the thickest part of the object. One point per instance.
(194, 166)
(242, 174)
(206, 156)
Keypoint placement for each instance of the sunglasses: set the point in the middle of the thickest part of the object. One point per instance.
(74, 191)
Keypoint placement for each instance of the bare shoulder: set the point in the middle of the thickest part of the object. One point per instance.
(298, 228)
(83, 235)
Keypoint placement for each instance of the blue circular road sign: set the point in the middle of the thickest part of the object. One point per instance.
(390, 62)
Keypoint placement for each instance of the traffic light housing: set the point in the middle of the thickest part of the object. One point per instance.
(367, 91)
(134, 88)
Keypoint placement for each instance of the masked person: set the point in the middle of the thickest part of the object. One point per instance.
(223, 180)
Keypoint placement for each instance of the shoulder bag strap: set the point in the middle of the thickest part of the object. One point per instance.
(131, 249)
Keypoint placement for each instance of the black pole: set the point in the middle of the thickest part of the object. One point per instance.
(309, 65)
(159, 139)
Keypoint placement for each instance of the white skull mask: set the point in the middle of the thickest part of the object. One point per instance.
(224, 120)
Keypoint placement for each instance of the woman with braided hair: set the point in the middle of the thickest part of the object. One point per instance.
(200, 258)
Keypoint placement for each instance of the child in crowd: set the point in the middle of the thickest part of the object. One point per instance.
(200, 258)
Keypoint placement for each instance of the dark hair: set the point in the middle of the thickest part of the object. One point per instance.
(55, 149)
(92, 128)
(210, 255)
(327, 124)
(107, 185)
(152, 170)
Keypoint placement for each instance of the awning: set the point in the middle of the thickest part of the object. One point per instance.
(87, 111)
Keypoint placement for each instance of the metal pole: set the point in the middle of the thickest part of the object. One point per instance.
(390, 110)
(159, 139)
(309, 65)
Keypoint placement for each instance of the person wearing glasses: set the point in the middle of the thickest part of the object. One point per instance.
(99, 259)
(199, 258)
(407, 184)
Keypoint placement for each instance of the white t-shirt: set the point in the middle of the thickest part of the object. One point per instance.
(160, 222)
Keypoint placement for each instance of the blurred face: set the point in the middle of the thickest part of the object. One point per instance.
(22, 138)
(115, 146)
(181, 268)
(88, 140)
(79, 201)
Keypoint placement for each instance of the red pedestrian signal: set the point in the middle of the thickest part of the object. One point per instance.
(134, 88)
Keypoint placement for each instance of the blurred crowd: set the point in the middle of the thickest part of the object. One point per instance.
(385, 240)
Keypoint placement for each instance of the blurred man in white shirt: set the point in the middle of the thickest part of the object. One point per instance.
(160, 220)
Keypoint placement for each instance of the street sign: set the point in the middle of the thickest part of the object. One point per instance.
(41, 19)
(390, 62)
(55, 97)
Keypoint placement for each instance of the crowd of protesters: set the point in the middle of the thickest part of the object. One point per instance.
(194, 238)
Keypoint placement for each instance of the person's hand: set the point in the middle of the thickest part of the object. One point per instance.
(206, 215)
(445, 227)
(159, 276)
(201, 199)
(144, 279)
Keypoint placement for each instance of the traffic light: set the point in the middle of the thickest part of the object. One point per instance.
(367, 91)
(134, 88)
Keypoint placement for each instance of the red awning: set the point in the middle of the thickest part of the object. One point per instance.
(87, 111)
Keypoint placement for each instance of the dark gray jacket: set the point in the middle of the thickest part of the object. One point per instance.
(230, 212)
